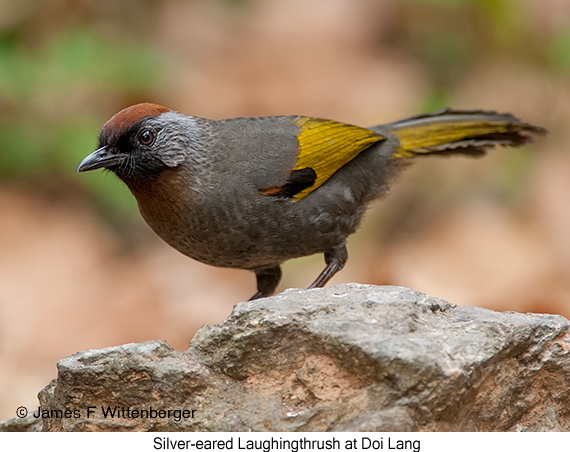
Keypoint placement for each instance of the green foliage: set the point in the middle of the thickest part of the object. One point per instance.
(435, 99)
(75, 58)
(20, 148)
(50, 93)
(446, 3)
(451, 37)
(559, 51)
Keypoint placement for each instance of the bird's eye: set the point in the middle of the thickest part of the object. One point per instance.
(146, 137)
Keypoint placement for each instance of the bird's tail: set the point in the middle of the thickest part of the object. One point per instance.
(469, 132)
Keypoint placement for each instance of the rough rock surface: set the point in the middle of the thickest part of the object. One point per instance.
(349, 357)
(25, 424)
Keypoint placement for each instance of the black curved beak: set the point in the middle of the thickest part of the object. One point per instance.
(101, 158)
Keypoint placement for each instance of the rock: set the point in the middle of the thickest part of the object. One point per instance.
(343, 358)
(29, 423)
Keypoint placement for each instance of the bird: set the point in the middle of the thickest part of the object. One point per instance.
(253, 192)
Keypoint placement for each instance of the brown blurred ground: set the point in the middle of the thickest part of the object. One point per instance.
(458, 229)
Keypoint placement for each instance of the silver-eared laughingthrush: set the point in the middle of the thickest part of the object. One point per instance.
(252, 193)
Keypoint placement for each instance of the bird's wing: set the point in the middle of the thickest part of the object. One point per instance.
(324, 147)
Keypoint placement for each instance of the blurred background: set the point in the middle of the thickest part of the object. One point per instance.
(80, 269)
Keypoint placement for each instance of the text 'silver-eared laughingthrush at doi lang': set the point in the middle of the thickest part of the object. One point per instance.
(252, 193)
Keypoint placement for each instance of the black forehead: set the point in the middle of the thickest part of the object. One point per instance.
(122, 137)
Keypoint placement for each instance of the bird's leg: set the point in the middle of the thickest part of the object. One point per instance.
(335, 258)
(267, 280)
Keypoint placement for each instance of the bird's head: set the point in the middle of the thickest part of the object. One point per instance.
(140, 142)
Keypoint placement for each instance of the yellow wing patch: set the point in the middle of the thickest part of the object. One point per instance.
(417, 137)
(326, 146)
